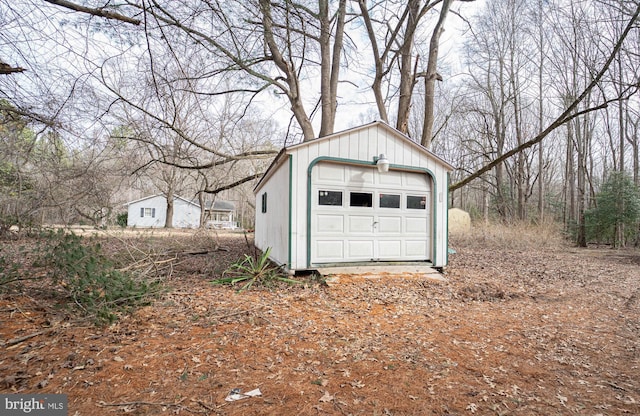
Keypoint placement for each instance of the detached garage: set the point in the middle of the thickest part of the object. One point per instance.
(367, 194)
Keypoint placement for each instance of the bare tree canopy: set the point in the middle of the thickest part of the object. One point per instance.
(200, 96)
(568, 113)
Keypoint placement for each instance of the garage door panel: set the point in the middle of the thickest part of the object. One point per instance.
(416, 248)
(416, 181)
(330, 173)
(330, 223)
(415, 225)
(360, 249)
(329, 250)
(390, 249)
(361, 223)
(389, 224)
(360, 177)
(391, 178)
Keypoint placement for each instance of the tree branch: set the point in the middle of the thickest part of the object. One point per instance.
(234, 184)
(95, 12)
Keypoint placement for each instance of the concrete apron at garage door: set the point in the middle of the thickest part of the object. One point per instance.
(332, 274)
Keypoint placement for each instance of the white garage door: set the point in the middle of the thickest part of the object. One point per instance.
(359, 214)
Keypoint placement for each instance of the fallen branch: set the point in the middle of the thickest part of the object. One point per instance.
(195, 253)
(201, 403)
(18, 340)
(143, 403)
(615, 386)
(146, 262)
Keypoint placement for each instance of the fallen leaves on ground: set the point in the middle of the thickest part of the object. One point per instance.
(538, 332)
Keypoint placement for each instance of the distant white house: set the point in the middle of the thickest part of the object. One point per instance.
(151, 212)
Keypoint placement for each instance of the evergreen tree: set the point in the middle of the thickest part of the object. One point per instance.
(617, 213)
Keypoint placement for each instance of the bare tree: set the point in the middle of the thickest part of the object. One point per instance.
(432, 75)
(393, 35)
(569, 112)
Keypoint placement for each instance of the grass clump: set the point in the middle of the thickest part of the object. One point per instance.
(253, 270)
(515, 236)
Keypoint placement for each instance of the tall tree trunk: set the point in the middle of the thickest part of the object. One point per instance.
(485, 204)
(378, 61)
(621, 118)
(501, 132)
(291, 77)
(569, 183)
(581, 145)
(407, 71)
(203, 209)
(541, 59)
(168, 222)
(634, 140)
(431, 76)
(520, 162)
(330, 64)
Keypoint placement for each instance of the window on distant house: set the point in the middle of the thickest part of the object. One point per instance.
(148, 212)
(264, 202)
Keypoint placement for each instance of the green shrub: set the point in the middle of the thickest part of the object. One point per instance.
(9, 271)
(122, 219)
(617, 213)
(90, 279)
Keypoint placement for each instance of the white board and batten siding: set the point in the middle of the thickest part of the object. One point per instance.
(331, 205)
(272, 206)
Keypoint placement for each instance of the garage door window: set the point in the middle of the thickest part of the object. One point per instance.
(389, 201)
(330, 198)
(361, 199)
(416, 202)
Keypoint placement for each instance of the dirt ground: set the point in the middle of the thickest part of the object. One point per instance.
(544, 331)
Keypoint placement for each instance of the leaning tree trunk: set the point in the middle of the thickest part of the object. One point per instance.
(541, 59)
(288, 69)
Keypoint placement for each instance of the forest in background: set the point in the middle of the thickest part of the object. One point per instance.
(534, 102)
